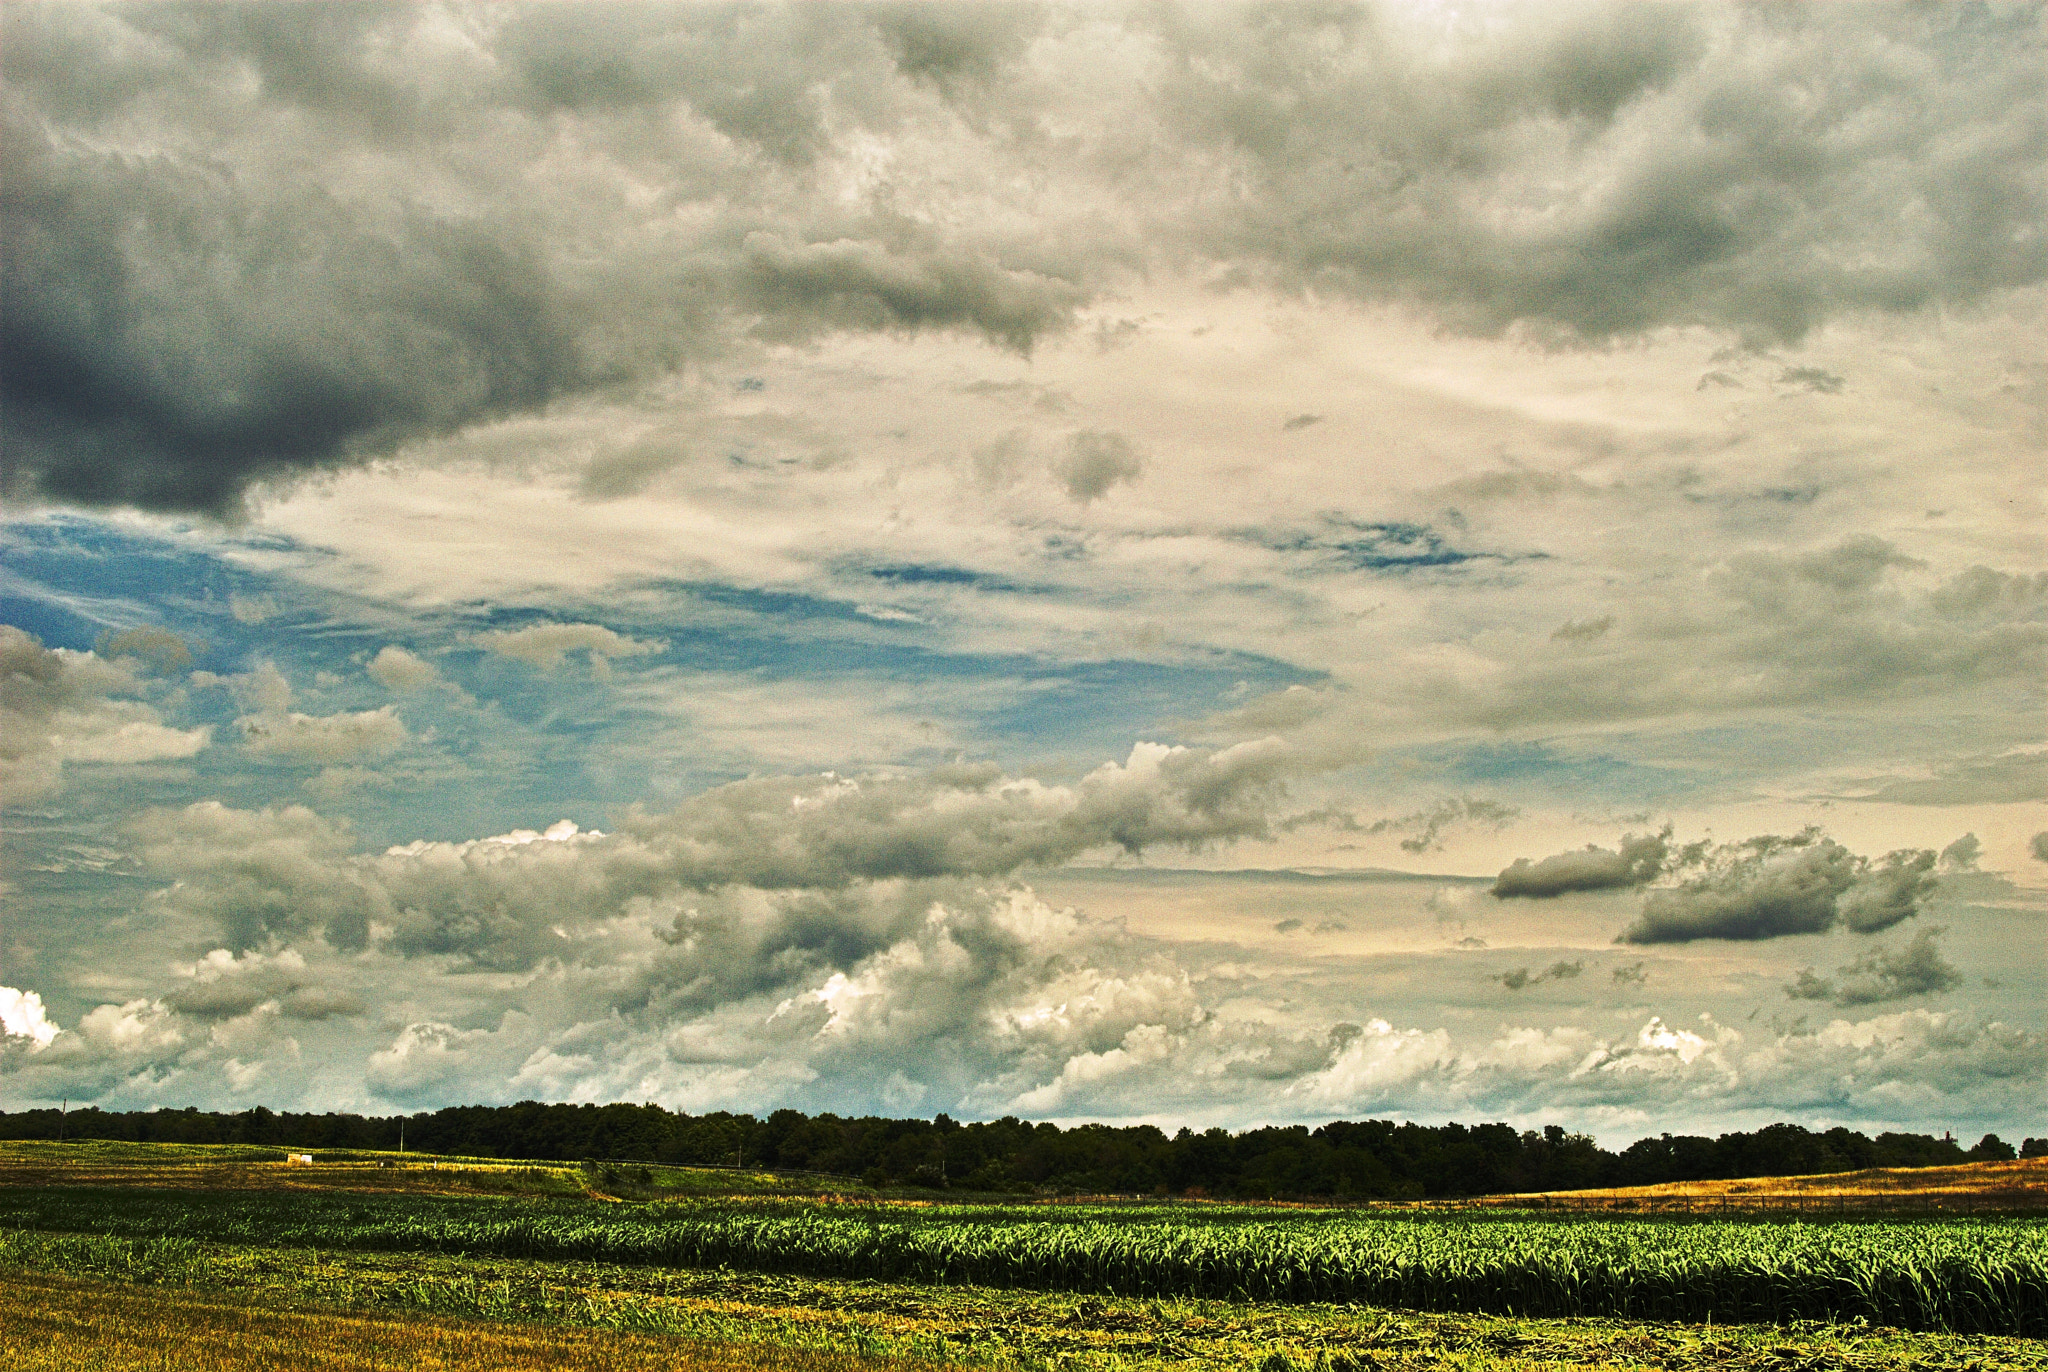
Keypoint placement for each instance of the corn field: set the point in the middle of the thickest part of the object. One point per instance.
(1955, 1276)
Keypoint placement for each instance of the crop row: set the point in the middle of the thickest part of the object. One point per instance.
(1960, 1277)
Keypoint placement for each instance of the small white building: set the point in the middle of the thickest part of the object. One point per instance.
(306, 1158)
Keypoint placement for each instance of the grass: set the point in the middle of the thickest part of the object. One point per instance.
(245, 1167)
(1989, 1277)
(879, 1324)
(2020, 1183)
(59, 1324)
(143, 1268)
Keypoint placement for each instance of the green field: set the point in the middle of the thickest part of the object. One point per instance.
(1086, 1287)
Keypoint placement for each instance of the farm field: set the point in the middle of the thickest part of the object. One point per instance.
(2018, 1185)
(1035, 1285)
(235, 1167)
(58, 1324)
(755, 1319)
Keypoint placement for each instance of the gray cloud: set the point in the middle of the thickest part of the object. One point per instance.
(1095, 462)
(1884, 974)
(222, 986)
(544, 645)
(1521, 977)
(58, 706)
(1429, 825)
(1580, 630)
(1962, 855)
(344, 737)
(1371, 176)
(1816, 379)
(186, 320)
(915, 284)
(2003, 780)
(630, 471)
(157, 648)
(971, 820)
(271, 728)
(253, 874)
(570, 201)
(515, 899)
(1889, 890)
(1639, 862)
(143, 368)
(1838, 624)
(395, 669)
(1772, 886)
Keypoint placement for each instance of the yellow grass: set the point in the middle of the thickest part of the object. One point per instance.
(466, 1179)
(239, 1167)
(2023, 1182)
(56, 1324)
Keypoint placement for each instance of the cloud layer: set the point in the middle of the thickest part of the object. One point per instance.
(755, 463)
(522, 206)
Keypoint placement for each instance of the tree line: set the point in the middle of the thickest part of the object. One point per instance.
(1376, 1159)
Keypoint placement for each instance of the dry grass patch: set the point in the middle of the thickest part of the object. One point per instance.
(56, 1324)
(411, 1179)
(2022, 1183)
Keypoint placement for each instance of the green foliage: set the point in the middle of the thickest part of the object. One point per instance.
(1371, 1158)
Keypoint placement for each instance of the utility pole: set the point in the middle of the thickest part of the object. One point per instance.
(401, 1136)
(63, 1113)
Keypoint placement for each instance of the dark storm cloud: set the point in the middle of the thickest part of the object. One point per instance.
(1772, 886)
(170, 334)
(222, 987)
(190, 307)
(1522, 977)
(1639, 862)
(1962, 855)
(1889, 890)
(246, 241)
(1883, 974)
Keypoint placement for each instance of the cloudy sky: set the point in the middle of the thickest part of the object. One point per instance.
(1207, 564)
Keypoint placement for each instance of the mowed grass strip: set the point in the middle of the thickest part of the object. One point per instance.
(59, 1324)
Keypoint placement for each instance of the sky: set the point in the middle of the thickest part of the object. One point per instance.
(1193, 564)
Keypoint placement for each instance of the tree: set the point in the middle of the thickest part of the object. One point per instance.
(1992, 1148)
